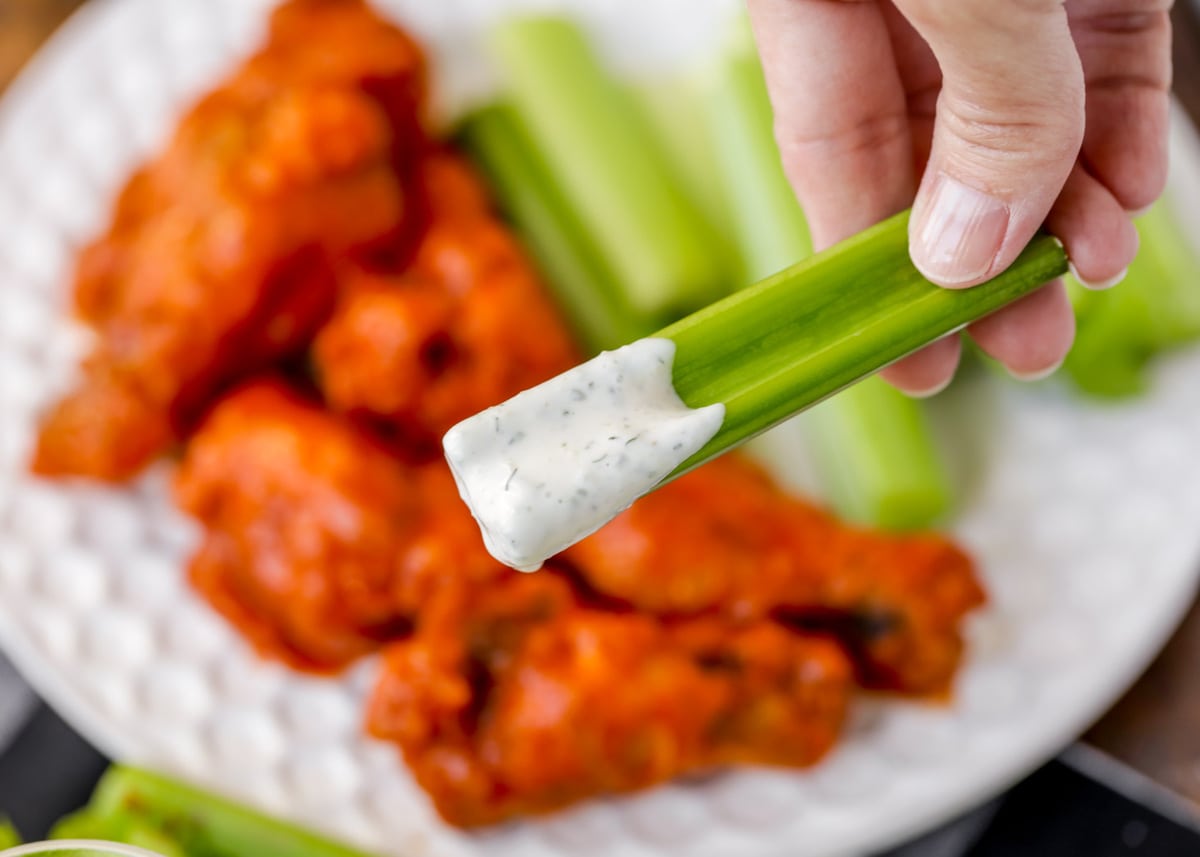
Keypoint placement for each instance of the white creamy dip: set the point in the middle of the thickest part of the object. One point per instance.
(555, 463)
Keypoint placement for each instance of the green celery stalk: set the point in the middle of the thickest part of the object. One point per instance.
(124, 824)
(610, 167)
(1110, 352)
(153, 840)
(771, 350)
(9, 837)
(876, 458)
(768, 226)
(574, 271)
(1155, 308)
(202, 824)
(673, 107)
(125, 827)
(874, 451)
(87, 824)
(1175, 301)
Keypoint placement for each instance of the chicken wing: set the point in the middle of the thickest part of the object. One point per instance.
(305, 522)
(318, 545)
(465, 327)
(723, 539)
(517, 699)
(221, 253)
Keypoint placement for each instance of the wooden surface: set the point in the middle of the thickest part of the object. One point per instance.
(1156, 727)
(24, 24)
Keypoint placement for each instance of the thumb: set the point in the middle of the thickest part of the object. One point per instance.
(1009, 124)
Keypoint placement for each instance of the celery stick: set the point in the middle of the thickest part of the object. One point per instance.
(1175, 298)
(771, 350)
(87, 824)
(1111, 349)
(874, 452)
(203, 824)
(574, 271)
(153, 840)
(126, 826)
(768, 226)
(609, 166)
(1155, 308)
(674, 108)
(9, 837)
(876, 458)
(706, 384)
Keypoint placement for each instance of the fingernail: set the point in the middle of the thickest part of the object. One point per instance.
(1038, 374)
(928, 392)
(1098, 285)
(957, 232)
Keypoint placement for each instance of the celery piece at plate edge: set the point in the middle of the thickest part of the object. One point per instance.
(85, 824)
(202, 824)
(609, 166)
(9, 837)
(155, 841)
(873, 449)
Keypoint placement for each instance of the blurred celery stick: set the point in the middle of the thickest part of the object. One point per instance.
(609, 166)
(9, 837)
(575, 273)
(1111, 349)
(673, 107)
(126, 829)
(875, 455)
(1176, 307)
(201, 824)
(768, 227)
(156, 841)
(86, 824)
(873, 450)
(125, 825)
(1156, 307)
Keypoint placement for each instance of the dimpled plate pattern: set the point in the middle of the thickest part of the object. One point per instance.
(1084, 517)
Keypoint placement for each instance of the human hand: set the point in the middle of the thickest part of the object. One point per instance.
(1012, 113)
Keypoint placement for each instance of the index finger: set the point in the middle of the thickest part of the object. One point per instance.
(841, 115)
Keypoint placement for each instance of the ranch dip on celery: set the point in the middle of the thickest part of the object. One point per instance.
(555, 463)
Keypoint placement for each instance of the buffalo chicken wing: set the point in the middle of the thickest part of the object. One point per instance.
(221, 255)
(467, 326)
(520, 700)
(725, 540)
(304, 523)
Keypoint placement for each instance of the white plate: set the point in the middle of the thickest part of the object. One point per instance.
(1085, 519)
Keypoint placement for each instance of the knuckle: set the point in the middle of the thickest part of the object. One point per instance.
(1125, 23)
(999, 15)
(1133, 82)
(1031, 133)
(862, 136)
(1121, 17)
(1123, 48)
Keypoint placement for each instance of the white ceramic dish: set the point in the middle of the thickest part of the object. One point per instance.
(1085, 519)
(75, 848)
